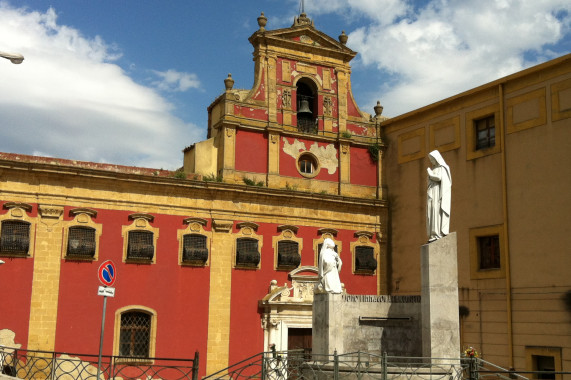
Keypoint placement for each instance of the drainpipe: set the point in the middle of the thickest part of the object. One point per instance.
(506, 239)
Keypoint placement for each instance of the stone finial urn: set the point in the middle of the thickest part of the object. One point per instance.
(343, 37)
(378, 109)
(262, 21)
(229, 82)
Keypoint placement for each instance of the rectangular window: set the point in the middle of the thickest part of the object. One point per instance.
(544, 362)
(543, 365)
(365, 259)
(247, 254)
(81, 242)
(288, 254)
(485, 132)
(489, 252)
(140, 246)
(15, 238)
(194, 249)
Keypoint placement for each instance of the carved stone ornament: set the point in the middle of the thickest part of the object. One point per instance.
(286, 98)
(246, 231)
(302, 20)
(325, 231)
(229, 82)
(250, 225)
(363, 239)
(274, 138)
(262, 22)
(327, 106)
(367, 234)
(343, 38)
(23, 206)
(89, 211)
(194, 227)
(290, 227)
(16, 213)
(52, 212)
(344, 149)
(221, 225)
(200, 221)
(147, 217)
(288, 234)
(82, 218)
(229, 132)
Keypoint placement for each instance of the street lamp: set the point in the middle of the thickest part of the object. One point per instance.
(13, 57)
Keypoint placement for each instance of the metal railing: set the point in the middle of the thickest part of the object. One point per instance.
(361, 365)
(29, 364)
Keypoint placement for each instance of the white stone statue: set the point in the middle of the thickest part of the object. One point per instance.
(439, 195)
(329, 268)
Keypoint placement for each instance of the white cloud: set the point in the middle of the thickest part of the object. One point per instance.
(448, 46)
(68, 99)
(172, 80)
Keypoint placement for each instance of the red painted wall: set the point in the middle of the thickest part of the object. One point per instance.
(250, 286)
(352, 109)
(288, 163)
(251, 151)
(363, 169)
(179, 295)
(16, 288)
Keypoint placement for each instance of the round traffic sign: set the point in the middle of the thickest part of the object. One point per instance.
(107, 273)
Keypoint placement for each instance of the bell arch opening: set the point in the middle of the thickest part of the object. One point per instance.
(306, 106)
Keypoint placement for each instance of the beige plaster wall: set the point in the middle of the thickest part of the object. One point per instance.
(529, 200)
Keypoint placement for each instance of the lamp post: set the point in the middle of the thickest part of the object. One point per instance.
(13, 57)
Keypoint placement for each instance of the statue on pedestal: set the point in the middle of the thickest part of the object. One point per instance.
(329, 268)
(439, 195)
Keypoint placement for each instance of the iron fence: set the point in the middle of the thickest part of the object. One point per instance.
(29, 364)
(299, 365)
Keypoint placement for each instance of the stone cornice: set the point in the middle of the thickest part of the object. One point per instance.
(200, 189)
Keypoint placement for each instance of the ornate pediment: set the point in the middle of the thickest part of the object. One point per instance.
(303, 37)
(300, 291)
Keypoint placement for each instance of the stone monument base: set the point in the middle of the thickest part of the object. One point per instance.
(440, 319)
(327, 323)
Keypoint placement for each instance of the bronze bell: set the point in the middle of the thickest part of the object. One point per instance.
(304, 107)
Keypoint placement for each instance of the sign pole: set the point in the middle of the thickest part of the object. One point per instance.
(107, 275)
(101, 338)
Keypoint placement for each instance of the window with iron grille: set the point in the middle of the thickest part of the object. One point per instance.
(194, 250)
(140, 246)
(288, 254)
(81, 242)
(489, 252)
(485, 132)
(15, 237)
(247, 254)
(135, 334)
(365, 259)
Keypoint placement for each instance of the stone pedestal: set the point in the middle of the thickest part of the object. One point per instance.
(327, 324)
(440, 319)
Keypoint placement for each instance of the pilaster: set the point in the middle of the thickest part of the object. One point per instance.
(218, 346)
(45, 281)
(344, 166)
(342, 99)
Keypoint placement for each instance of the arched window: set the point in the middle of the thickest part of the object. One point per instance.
(135, 334)
(306, 106)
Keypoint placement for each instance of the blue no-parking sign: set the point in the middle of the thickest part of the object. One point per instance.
(107, 273)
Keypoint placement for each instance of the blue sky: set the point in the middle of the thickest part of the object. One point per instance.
(128, 82)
